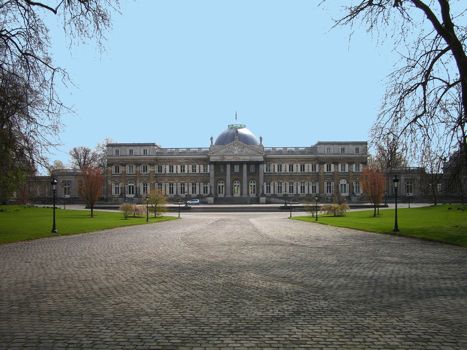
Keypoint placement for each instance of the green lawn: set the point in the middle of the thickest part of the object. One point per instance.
(18, 223)
(444, 223)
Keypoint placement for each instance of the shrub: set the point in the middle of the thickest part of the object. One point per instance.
(126, 209)
(335, 209)
(139, 210)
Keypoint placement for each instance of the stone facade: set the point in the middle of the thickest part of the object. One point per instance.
(236, 169)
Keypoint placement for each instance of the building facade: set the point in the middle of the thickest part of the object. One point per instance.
(236, 168)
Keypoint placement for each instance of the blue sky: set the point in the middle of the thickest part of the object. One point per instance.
(175, 73)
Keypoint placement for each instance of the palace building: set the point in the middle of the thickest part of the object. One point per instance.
(236, 168)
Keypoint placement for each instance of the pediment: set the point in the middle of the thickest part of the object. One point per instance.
(236, 150)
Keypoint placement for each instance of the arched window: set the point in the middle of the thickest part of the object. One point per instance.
(236, 188)
(252, 188)
(220, 188)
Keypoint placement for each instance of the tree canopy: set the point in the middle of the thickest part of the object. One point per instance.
(426, 96)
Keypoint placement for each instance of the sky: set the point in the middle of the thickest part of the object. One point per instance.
(176, 72)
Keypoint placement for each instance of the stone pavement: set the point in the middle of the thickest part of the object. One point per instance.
(232, 281)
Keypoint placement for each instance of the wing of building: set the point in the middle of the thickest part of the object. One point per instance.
(236, 168)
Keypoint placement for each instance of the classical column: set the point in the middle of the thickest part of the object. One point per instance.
(245, 184)
(261, 179)
(211, 179)
(228, 187)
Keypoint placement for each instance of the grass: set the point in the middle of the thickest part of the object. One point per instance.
(443, 223)
(18, 223)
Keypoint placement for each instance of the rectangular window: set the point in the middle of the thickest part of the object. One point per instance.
(131, 169)
(159, 187)
(193, 168)
(290, 168)
(302, 168)
(145, 188)
(343, 168)
(357, 150)
(409, 187)
(328, 187)
(268, 188)
(252, 168)
(182, 188)
(117, 152)
(328, 150)
(160, 169)
(291, 187)
(279, 168)
(314, 188)
(356, 187)
(116, 189)
(67, 188)
(356, 167)
(171, 170)
(205, 188)
(314, 168)
(144, 169)
(279, 187)
(193, 188)
(268, 168)
(171, 188)
(236, 168)
(342, 150)
(182, 168)
(145, 152)
(302, 187)
(131, 189)
(130, 152)
(328, 167)
(205, 168)
(116, 169)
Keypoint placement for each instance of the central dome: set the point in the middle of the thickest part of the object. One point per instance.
(236, 131)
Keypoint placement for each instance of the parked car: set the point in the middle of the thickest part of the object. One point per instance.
(193, 201)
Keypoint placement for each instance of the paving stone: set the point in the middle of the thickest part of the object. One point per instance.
(232, 281)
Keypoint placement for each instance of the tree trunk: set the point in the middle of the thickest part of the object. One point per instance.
(92, 210)
(374, 209)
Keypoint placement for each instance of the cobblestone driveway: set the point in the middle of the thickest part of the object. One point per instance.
(233, 280)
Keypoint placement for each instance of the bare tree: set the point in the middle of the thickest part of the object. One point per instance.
(431, 39)
(101, 153)
(91, 182)
(433, 158)
(30, 107)
(157, 199)
(372, 180)
(83, 157)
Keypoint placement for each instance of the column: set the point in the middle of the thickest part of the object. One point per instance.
(261, 180)
(228, 187)
(244, 181)
(211, 180)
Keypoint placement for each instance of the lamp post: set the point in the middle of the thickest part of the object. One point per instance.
(316, 208)
(290, 213)
(179, 202)
(54, 192)
(147, 208)
(395, 180)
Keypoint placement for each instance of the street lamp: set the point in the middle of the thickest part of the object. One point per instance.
(179, 202)
(316, 208)
(54, 192)
(395, 180)
(147, 208)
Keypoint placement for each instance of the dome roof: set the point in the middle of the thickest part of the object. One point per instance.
(229, 135)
